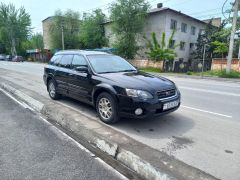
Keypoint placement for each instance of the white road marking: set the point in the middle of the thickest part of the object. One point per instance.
(201, 110)
(56, 130)
(210, 91)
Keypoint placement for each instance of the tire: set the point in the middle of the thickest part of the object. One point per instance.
(107, 108)
(52, 90)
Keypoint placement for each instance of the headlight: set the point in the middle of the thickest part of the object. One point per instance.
(139, 93)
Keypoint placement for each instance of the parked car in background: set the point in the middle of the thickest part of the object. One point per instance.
(17, 59)
(2, 57)
(110, 84)
(9, 58)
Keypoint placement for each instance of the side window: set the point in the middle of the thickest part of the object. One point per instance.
(193, 30)
(182, 45)
(172, 44)
(173, 24)
(78, 60)
(66, 61)
(55, 60)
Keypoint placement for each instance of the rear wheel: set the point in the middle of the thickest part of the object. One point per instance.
(52, 90)
(106, 108)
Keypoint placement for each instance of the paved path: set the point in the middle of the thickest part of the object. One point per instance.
(203, 133)
(30, 148)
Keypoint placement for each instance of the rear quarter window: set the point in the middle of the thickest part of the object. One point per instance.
(55, 60)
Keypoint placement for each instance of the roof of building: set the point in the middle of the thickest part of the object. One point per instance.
(47, 18)
(164, 9)
(159, 10)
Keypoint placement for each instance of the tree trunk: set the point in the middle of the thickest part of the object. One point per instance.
(13, 47)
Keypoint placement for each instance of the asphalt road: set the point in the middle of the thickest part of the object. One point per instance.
(30, 148)
(203, 133)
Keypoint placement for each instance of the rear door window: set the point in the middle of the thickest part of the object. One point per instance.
(78, 60)
(66, 61)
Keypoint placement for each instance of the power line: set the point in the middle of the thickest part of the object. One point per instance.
(223, 9)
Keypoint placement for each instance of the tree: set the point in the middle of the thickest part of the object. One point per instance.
(162, 51)
(14, 26)
(36, 41)
(92, 33)
(128, 18)
(69, 22)
(209, 35)
(220, 48)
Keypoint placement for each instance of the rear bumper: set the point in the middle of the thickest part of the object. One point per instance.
(151, 108)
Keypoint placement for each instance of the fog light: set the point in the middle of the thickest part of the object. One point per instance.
(138, 111)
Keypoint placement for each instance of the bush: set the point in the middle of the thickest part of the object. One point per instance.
(189, 73)
(151, 69)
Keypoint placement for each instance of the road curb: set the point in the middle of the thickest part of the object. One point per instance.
(68, 123)
(199, 77)
(36, 105)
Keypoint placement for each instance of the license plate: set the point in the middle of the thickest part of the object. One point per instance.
(170, 105)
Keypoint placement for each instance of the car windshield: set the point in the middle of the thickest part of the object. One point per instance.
(109, 64)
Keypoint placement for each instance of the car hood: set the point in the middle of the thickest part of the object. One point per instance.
(139, 80)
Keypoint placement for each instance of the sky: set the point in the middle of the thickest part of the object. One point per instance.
(41, 9)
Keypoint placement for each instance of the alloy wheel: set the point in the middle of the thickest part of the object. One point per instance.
(105, 108)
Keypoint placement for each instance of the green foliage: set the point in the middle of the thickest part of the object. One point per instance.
(211, 34)
(70, 22)
(218, 73)
(219, 47)
(92, 30)
(14, 27)
(151, 69)
(36, 41)
(161, 52)
(128, 18)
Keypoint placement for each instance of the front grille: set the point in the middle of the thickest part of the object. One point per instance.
(166, 93)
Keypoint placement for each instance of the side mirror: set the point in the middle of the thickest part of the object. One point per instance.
(83, 69)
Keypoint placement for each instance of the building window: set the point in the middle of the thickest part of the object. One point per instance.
(172, 44)
(191, 46)
(201, 31)
(182, 45)
(173, 24)
(193, 30)
(184, 27)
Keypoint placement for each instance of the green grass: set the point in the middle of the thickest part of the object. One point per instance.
(213, 73)
(217, 73)
(150, 69)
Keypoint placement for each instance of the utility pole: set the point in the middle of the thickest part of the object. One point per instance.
(230, 51)
(62, 36)
(204, 54)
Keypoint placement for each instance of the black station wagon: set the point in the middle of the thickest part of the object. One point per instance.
(110, 84)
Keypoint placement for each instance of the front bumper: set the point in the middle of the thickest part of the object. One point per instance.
(152, 107)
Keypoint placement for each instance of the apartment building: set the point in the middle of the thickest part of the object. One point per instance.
(166, 20)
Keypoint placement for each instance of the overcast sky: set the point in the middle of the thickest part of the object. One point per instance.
(41, 9)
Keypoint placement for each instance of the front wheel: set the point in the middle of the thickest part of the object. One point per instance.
(106, 108)
(52, 90)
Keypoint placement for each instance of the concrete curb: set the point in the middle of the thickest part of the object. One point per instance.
(36, 105)
(129, 159)
(199, 77)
